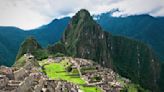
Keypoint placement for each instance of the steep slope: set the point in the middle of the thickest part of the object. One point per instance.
(10, 39)
(30, 45)
(3, 52)
(141, 27)
(84, 38)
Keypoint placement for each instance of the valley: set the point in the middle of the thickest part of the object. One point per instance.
(139, 27)
(87, 59)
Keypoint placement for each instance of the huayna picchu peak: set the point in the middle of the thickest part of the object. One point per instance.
(86, 59)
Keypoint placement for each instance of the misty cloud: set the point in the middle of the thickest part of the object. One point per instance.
(29, 14)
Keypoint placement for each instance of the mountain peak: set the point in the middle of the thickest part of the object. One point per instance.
(84, 38)
(82, 15)
(80, 25)
(30, 45)
(82, 20)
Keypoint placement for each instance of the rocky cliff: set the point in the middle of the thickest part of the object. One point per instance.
(84, 38)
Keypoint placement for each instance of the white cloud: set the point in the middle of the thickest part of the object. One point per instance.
(29, 14)
(133, 7)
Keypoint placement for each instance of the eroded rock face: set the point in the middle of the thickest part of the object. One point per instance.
(84, 38)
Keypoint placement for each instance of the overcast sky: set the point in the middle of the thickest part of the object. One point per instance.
(28, 14)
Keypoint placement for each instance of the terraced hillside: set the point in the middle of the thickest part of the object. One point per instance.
(89, 76)
(84, 38)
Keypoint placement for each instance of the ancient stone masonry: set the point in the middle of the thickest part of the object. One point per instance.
(94, 74)
(60, 86)
(25, 79)
(3, 81)
(30, 79)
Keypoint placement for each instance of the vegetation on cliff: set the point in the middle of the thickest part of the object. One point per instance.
(30, 45)
(84, 38)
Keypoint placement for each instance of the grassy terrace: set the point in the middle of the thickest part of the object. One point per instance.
(58, 71)
(20, 62)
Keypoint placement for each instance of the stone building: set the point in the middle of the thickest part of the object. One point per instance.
(3, 81)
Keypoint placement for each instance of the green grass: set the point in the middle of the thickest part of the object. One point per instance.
(65, 63)
(90, 89)
(41, 63)
(121, 81)
(20, 62)
(135, 88)
(74, 71)
(57, 71)
(132, 88)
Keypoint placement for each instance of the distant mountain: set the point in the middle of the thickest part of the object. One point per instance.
(50, 33)
(141, 27)
(84, 38)
(12, 37)
(145, 28)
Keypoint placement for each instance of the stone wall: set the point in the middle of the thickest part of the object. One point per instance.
(3, 81)
(22, 87)
(39, 87)
(28, 66)
(20, 74)
(26, 85)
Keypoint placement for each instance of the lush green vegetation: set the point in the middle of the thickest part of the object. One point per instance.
(30, 45)
(135, 88)
(90, 89)
(58, 49)
(141, 27)
(132, 88)
(12, 37)
(111, 51)
(41, 54)
(122, 51)
(20, 62)
(58, 71)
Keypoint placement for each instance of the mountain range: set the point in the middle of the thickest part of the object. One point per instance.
(144, 28)
(12, 37)
(85, 38)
